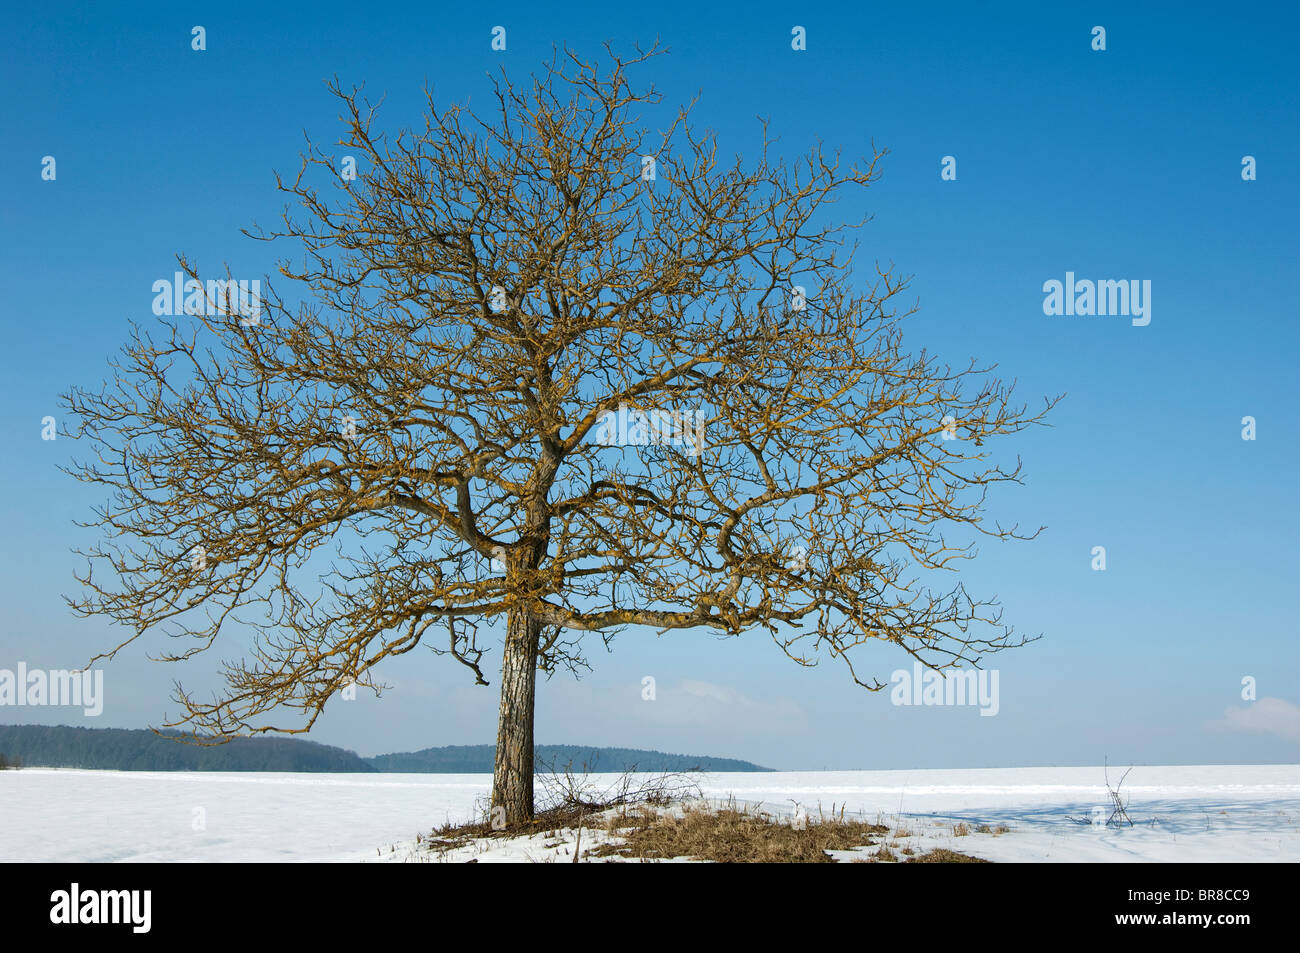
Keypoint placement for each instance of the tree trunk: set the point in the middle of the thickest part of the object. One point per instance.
(512, 776)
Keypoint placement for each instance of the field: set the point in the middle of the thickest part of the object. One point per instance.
(1193, 813)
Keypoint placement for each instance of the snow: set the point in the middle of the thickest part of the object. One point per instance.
(1191, 813)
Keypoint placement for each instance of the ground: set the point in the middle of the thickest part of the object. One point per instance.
(698, 829)
(1195, 813)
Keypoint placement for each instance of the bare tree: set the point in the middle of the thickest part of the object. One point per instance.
(555, 370)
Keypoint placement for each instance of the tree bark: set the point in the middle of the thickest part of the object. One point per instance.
(512, 776)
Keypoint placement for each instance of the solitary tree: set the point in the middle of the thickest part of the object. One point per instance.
(552, 370)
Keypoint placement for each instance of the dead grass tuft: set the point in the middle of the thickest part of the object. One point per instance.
(571, 799)
(730, 835)
(941, 855)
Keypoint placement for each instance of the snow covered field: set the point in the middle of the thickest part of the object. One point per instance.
(1193, 813)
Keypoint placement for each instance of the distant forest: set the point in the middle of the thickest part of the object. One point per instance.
(125, 749)
(477, 759)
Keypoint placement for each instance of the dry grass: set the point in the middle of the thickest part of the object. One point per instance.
(572, 801)
(941, 855)
(564, 817)
(729, 835)
(649, 823)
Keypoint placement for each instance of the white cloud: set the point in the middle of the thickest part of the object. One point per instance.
(690, 701)
(687, 715)
(710, 690)
(1268, 716)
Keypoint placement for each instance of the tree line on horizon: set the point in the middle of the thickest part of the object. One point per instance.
(134, 749)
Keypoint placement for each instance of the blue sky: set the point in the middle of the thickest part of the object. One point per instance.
(1116, 164)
